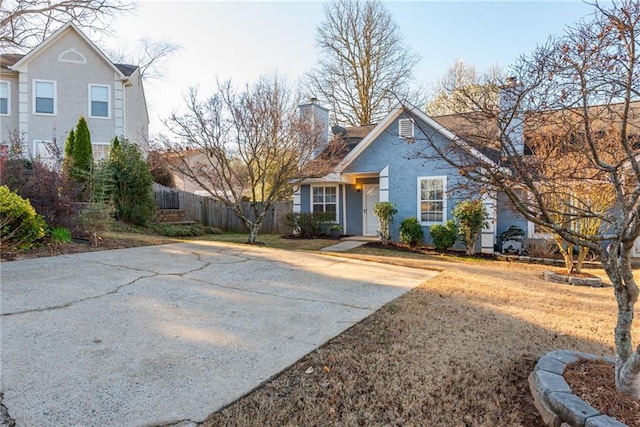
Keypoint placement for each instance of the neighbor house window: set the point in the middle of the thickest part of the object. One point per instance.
(44, 151)
(432, 199)
(325, 199)
(4, 98)
(45, 97)
(99, 101)
(100, 151)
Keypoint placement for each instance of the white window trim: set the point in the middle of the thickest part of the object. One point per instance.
(108, 116)
(55, 97)
(8, 83)
(445, 214)
(311, 187)
(93, 144)
(35, 153)
(404, 136)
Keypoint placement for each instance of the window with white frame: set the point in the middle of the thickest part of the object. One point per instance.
(44, 94)
(4, 98)
(432, 199)
(405, 128)
(44, 151)
(99, 96)
(100, 150)
(325, 199)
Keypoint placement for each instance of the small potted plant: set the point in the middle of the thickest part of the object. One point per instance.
(335, 229)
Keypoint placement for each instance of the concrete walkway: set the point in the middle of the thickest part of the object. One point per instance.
(343, 246)
(168, 334)
(351, 242)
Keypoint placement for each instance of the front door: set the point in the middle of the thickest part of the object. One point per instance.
(371, 196)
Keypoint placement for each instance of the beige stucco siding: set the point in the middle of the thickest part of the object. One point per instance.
(72, 80)
(136, 117)
(9, 123)
(72, 65)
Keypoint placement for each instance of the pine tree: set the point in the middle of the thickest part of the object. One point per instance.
(67, 163)
(82, 152)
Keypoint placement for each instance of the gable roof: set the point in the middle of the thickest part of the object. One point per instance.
(7, 60)
(69, 26)
(417, 113)
(126, 69)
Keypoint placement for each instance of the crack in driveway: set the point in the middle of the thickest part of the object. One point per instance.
(71, 303)
(272, 294)
(113, 291)
(244, 318)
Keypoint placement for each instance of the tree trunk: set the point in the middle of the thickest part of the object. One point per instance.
(582, 254)
(253, 232)
(617, 264)
(254, 227)
(628, 373)
(567, 253)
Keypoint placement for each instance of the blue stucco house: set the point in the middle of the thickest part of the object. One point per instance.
(379, 165)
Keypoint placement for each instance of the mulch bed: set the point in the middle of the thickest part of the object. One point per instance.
(426, 250)
(593, 382)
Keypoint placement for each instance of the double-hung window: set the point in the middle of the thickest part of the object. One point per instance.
(325, 199)
(44, 151)
(432, 200)
(4, 98)
(100, 151)
(99, 97)
(44, 97)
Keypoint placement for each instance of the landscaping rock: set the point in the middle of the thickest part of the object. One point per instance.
(552, 396)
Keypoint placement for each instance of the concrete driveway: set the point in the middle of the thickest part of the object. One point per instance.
(169, 334)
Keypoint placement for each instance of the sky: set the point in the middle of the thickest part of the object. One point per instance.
(242, 40)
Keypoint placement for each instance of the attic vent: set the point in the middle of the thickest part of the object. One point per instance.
(72, 56)
(405, 128)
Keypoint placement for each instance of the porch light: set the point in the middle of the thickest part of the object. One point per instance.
(358, 187)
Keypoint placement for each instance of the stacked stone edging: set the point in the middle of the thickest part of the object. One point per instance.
(595, 282)
(545, 261)
(553, 398)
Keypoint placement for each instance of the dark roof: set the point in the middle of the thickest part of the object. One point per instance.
(126, 69)
(8, 59)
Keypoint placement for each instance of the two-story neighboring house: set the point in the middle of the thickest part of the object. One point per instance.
(44, 92)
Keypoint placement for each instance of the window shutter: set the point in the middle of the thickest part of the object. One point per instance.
(405, 127)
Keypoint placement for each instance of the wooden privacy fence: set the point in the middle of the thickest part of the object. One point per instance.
(210, 212)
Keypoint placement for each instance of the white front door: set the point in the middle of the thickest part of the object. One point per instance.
(370, 196)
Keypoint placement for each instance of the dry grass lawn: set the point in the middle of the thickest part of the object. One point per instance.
(455, 351)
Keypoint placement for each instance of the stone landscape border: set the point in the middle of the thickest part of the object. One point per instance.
(595, 282)
(553, 398)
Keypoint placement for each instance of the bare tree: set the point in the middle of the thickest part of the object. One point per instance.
(363, 63)
(576, 97)
(461, 88)
(26, 23)
(243, 145)
(148, 55)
